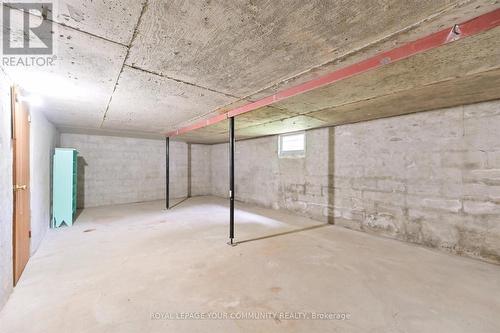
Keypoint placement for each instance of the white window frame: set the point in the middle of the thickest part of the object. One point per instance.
(291, 153)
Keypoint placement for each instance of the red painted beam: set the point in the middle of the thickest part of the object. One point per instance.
(472, 27)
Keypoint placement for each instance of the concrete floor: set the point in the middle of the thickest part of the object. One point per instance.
(120, 265)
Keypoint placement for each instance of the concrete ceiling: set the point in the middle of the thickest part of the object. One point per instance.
(427, 81)
(149, 67)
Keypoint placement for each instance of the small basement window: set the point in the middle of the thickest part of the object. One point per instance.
(292, 145)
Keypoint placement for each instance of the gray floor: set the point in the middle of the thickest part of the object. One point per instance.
(119, 266)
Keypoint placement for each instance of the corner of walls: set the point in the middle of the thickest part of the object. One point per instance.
(118, 170)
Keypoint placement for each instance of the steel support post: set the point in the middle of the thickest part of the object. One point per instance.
(231, 180)
(167, 172)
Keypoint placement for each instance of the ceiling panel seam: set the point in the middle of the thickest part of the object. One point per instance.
(134, 35)
(181, 81)
(71, 28)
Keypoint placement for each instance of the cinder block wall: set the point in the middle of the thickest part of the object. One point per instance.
(199, 171)
(300, 185)
(219, 171)
(115, 170)
(430, 178)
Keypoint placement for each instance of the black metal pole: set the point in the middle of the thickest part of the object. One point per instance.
(231, 180)
(167, 172)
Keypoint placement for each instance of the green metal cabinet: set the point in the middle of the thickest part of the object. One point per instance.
(64, 186)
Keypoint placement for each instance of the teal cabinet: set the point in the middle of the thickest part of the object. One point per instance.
(64, 186)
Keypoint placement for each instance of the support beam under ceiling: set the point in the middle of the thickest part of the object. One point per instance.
(459, 31)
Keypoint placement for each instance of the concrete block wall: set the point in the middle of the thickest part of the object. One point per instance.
(219, 171)
(199, 170)
(117, 170)
(299, 185)
(430, 178)
(179, 182)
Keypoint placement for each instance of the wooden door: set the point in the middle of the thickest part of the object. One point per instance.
(21, 181)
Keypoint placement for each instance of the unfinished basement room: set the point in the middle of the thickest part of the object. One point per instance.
(250, 166)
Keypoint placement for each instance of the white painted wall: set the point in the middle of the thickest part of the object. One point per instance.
(5, 192)
(117, 170)
(43, 139)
